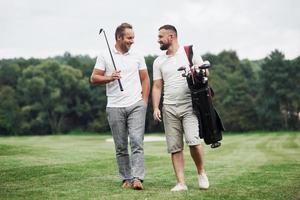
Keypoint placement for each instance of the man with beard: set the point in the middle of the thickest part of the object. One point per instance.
(178, 116)
(126, 110)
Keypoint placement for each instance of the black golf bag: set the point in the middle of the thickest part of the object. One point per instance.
(210, 124)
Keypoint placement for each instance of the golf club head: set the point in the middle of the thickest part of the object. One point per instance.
(100, 31)
(181, 68)
(205, 65)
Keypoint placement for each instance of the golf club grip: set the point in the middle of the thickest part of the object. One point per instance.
(120, 85)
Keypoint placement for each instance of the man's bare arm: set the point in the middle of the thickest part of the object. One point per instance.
(145, 81)
(156, 94)
(98, 77)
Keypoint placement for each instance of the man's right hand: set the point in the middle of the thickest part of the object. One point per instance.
(116, 75)
(157, 115)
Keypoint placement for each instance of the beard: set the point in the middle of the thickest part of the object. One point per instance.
(125, 47)
(164, 46)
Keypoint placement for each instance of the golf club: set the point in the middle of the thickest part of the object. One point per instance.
(102, 30)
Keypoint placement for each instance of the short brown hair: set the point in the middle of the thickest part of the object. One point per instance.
(120, 29)
(169, 27)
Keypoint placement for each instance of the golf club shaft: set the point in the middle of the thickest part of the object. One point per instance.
(119, 81)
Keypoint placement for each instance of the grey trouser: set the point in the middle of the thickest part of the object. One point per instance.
(124, 122)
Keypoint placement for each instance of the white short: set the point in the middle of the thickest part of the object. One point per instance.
(180, 120)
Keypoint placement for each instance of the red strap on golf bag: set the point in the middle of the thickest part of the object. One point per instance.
(189, 53)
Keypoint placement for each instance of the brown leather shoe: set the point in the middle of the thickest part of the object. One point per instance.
(126, 184)
(137, 185)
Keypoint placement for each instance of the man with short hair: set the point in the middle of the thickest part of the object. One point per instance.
(178, 116)
(126, 110)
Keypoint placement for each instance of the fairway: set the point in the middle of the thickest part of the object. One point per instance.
(246, 166)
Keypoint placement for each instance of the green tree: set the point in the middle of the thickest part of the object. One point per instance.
(290, 95)
(9, 73)
(82, 62)
(51, 93)
(232, 82)
(97, 120)
(295, 84)
(9, 111)
(273, 97)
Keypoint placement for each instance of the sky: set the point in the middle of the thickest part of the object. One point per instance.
(46, 28)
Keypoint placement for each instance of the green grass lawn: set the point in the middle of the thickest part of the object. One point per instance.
(246, 166)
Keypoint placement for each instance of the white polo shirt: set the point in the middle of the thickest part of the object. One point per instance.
(165, 67)
(129, 63)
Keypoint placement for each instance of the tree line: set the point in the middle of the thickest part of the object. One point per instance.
(53, 95)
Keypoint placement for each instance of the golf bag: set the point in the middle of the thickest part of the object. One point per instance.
(210, 124)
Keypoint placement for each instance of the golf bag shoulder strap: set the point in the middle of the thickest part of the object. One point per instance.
(189, 53)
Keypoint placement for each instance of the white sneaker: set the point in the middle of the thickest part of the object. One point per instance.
(179, 187)
(203, 181)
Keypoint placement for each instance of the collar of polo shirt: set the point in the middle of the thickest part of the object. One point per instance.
(118, 52)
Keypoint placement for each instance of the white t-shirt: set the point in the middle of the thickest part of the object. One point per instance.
(165, 67)
(129, 63)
